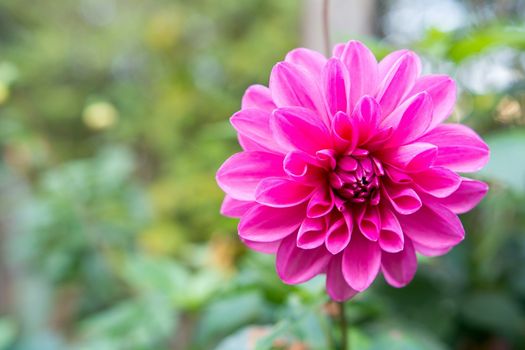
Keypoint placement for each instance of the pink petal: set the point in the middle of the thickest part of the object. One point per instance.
(338, 236)
(336, 86)
(312, 233)
(459, 147)
(295, 265)
(297, 128)
(391, 238)
(327, 158)
(361, 262)
(303, 167)
(254, 124)
(398, 82)
(397, 176)
(390, 60)
(293, 86)
(345, 133)
(433, 226)
(321, 202)
(404, 199)
(241, 173)
(249, 145)
(235, 208)
(362, 66)
(467, 196)
(400, 268)
(308, 59)
(336, 285)
(258, 96)
(369, 222)
(263, 247)
(438, 182)
(338, 50)
(366, 116)
(280, 192)
(413, 157)
(431, 252)
(410, 120)
(267, 224)
(442, 89)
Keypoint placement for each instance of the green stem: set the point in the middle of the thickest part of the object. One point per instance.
(344, 327)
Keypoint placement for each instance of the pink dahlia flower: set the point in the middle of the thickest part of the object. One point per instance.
(348, 170)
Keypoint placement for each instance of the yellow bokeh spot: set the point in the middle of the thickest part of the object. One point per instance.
(164, 30)
(100, 115)
(4, 92)
(162, 239)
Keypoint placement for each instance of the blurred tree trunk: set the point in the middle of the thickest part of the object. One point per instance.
(349, 19)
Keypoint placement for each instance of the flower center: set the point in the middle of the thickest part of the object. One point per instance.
(356, 179)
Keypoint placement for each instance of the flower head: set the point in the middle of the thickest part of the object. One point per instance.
(347, 169)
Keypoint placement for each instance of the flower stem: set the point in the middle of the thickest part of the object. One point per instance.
(326, 26)
(344, 327)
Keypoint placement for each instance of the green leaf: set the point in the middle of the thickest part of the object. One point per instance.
(228, 314)
(7, 332)
(494, 311)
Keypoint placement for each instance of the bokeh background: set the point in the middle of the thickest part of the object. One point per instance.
(113, 121)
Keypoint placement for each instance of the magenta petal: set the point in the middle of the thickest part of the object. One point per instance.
(308, 59)
(338, 50)
(433, 226)
(345, 133)
(267, 224)
(312, 233)
(459, 147)
(397, 176)
(263, 247)
(404, 199)
(293, 86)
(362, 66)
(467, 196)
(400, 268)
(258, 96)
(235, 208)
(254, 124)
(366, 117)
(321, 203)
(336, 86)
(336, 285)
(391, 238)
(361, 262)
(303, 167)
(389, 60)
(398, 82)
(280, 192)
(242, 172)
(431, 252)
(369, 222)
(297, 128)
(438, 182)
(442, 89)
(410, 120)
(338, 236)
(295, 265)
(413, 157)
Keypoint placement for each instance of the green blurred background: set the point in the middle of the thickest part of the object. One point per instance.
(113, 121)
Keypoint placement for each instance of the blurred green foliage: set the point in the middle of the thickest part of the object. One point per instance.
(113, 120)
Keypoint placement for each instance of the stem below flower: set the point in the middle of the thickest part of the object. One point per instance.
(326, 26)
(344, 327)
